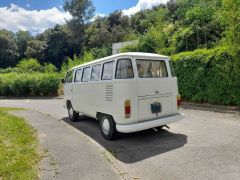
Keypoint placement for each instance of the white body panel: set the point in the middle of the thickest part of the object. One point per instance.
(108, 96)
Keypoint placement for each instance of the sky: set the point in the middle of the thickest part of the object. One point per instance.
(38, 15)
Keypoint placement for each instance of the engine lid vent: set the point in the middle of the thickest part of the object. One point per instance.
(109, 93)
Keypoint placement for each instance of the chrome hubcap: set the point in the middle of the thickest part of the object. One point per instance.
(105, 126)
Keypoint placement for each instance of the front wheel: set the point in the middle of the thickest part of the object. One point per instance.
(73, 115)
(108, 127)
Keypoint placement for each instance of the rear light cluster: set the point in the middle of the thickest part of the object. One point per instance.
(179, 101)
(127, 108)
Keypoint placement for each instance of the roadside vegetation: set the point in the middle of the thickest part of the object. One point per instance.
(187, 30)
(211, 76)
(18, 148)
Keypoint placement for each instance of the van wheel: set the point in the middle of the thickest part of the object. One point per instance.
(108, 127)
(73, 115)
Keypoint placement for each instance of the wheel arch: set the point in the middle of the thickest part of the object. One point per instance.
(101, 114)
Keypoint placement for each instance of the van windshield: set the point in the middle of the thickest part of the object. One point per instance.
(151, 68)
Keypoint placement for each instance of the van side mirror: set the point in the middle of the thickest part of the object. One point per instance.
(63, 81)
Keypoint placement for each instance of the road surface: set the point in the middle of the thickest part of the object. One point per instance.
(205, 145)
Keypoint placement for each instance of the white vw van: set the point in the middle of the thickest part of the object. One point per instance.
(126, 92)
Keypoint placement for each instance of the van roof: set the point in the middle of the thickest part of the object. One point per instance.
(132, 54)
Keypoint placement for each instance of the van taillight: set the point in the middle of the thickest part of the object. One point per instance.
(127, 107)
(178, 100)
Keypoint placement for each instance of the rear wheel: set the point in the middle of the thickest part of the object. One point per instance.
(108, 127)
(73, 115)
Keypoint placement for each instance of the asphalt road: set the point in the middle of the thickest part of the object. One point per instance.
(205, 145)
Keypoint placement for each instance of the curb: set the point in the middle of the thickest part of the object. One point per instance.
(210, 107)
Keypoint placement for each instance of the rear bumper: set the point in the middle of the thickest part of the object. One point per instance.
(149, 124)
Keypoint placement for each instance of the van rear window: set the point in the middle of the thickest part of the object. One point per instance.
(151, 69)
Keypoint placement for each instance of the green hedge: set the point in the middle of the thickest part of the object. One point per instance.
(33, 84)
(211, 76)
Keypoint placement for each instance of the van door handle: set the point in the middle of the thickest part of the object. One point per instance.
(157, 92)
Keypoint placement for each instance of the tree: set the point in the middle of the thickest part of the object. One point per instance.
(81, 10)
(8, 49)
(22, 38)
(57, 49)
(172, 8)
(97, 34)
(36, 49)
(231, 17)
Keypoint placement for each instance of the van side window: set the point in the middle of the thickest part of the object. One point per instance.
(152, 69)
(96, 70)
(78, 75)
(124, 69)
(86, 74)
(107, 71)
(69, 77)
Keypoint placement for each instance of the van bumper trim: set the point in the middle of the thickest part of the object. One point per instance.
(149, 124)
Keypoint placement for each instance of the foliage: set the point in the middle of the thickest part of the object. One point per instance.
(8, 49)
(105, 31)
(181, 26)
(8, 70)
(49, 68)
(57, 43)
(87, 57)
(23, 84)
(18, 148)
(209, 75)
(178, 26)
(36, 49)
(98, 53)
(22, 38)
(81, 11)
(130, 48)
(231, 17)
(29, 65)
(32, 65)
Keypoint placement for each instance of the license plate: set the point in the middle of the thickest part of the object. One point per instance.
(156, 108)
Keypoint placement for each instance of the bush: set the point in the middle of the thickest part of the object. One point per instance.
(32, 66)
(29, 65)
(130, 48)
(87, 57)
(209, 75)
(49, 68)
(8, 70)
(29, 84)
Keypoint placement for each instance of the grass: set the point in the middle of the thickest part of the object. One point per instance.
(18, 148)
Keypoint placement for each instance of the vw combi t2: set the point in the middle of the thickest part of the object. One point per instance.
(126, 92)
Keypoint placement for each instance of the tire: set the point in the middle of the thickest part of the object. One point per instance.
(108, 127)
(73, 115)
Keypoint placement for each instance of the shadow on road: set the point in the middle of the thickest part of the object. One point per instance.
(134, 147)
